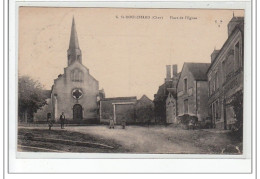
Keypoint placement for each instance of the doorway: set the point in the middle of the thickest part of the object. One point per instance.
(77, 112)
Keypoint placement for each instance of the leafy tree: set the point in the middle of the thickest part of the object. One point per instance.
(144, 113)
(31, 97)
(237, 105)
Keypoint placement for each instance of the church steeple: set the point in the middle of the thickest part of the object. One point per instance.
(74, 52)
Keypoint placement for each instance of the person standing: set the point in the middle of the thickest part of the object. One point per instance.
(111, 122)
(62, 120)
(123, 123)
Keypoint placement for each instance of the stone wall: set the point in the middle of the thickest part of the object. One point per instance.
(107, 108)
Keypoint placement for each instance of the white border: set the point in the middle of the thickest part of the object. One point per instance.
(220, 163)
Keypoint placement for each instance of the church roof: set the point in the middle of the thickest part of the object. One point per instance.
(74, 43)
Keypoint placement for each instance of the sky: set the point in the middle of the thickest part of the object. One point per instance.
(126, 50)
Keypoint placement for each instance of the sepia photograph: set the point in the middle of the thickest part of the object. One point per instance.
(130, 80)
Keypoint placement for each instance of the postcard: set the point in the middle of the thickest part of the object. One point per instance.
(123, 82)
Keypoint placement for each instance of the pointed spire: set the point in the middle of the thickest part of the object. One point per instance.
(74, 52)
(74, 43)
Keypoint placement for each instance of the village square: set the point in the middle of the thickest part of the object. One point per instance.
(197, 109)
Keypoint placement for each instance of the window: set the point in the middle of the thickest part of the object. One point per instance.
(229, 67)
(236, 56)
(214, 84)
(210, 110)
(209, 88)
(186, 108)
(76, 75)
(217, 110)
(216, 80)
(185, 86)
(78, 57)
(223, 71)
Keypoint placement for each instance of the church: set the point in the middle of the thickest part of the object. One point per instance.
(76, 92)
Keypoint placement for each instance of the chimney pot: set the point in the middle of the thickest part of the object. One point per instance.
(168, 71)
(174, 70)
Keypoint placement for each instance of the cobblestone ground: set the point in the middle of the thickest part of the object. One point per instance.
(157, 139)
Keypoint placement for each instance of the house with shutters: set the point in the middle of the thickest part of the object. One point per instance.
(225, 75)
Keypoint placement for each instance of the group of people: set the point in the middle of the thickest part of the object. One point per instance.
(63, 120)
(112, 123)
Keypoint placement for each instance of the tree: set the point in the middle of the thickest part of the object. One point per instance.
(144, 113)
(31, 97)
(237, 105)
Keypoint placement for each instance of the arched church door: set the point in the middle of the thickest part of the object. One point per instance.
(77, 112)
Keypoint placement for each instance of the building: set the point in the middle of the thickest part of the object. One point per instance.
(225, 75)
(144, 110)
(160, 97)
(76, 92)
(117, 108)
(192, 90)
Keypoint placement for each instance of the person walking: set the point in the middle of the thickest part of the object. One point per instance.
(111, 122)
(62, 120)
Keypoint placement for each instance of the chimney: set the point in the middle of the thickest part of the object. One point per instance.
(168, 72)
(174, 70)
(214, 55)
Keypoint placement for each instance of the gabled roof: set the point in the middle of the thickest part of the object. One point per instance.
(145, 98)
(198, 70)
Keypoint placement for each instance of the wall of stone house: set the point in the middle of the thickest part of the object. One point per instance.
(190, 95)
(41, 114)
(236, 83)
(62, 91)
(202, 100)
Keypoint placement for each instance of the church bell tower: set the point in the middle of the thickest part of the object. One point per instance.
(74, 52)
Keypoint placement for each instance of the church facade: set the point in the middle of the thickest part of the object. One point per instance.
(76, 92)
